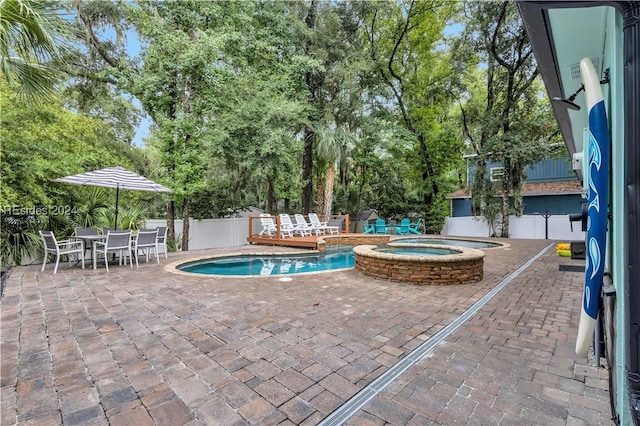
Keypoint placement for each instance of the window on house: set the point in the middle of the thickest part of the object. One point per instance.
(496, 173)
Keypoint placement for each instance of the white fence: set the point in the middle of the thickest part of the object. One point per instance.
(210, 233)
(528, 227)
(232, 232)
(218, 233)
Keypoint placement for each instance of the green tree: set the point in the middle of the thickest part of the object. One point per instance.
(33, 37)
(405, 46)
(512, 125)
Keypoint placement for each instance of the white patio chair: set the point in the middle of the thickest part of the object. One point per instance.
(287, 228)
(116, 242)
(323, 226)
(60, 248)
(303, 227)
(145, 241)
(268, 225)
(162, 240)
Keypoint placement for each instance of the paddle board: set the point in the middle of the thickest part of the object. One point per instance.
(598, 179)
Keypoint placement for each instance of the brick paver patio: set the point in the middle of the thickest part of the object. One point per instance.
(146, 346)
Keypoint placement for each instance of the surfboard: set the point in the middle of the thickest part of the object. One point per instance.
(598, 160)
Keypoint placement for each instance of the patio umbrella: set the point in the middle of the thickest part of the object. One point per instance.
(115, 177)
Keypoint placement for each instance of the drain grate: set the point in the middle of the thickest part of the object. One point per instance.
(571, 268)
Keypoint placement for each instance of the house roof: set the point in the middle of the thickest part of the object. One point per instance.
(534, 189)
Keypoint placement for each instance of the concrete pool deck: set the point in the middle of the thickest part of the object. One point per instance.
(144, 346)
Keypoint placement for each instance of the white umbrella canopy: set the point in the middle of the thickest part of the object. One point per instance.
(115, 177)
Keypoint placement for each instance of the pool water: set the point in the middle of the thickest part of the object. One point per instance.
(442, 241)
(340, 257)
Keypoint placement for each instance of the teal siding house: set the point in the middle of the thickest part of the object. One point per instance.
(551, 187)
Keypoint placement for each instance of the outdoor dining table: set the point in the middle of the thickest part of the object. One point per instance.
(90, 239)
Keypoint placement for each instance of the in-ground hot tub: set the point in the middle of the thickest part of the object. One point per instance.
(425, 264)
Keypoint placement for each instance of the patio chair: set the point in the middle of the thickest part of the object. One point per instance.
(303, 226)
(146, 241)
(381, 226)
(106, 229)
(60, 248)
(403, 227)
(116, 242)
(287, 228)
(268, 225)
(162, 240)
(322, 226)
(368, 228)
(414, 228)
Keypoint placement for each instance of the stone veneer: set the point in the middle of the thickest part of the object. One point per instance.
(466, 266)
(352, 240)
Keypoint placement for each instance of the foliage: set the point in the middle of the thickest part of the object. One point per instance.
(508, 119)
(19, 238)
(262, 103)
(60, 143)
(32, 42)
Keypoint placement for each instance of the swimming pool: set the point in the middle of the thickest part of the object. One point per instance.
(448, 242)
(333, 258)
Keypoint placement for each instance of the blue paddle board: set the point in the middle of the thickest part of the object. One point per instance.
(598, 160)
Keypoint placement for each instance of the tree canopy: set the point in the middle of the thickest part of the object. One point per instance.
(293, 106)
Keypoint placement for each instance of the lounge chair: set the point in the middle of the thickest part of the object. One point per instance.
(287, 228)
(403, 227)
(60, 248)
(303, 226)
(322, 227)
(414, 228)
(268, 225)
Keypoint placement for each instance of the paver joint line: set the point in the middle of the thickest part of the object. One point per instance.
(356, 402)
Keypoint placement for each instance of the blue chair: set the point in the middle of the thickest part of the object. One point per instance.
(381, 227)
(366, 228)
(403, 227)
(414, 228)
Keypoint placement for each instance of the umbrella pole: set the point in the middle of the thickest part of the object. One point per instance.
(117, 196)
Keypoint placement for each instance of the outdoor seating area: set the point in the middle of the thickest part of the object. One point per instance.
(107, 244)
(381, 226)
(296, 230)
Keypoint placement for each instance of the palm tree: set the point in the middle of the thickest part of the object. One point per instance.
(32, 40)
(330, 147)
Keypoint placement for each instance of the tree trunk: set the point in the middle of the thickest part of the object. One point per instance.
(307, 159)
(328, 189)
(478, 187)
(320, 188)
(185, 224)
(171, 228)
(506, 188)
(271, 197)
(307, 171)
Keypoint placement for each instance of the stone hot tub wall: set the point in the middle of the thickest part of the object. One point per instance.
(351, 240)
(466, 266)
